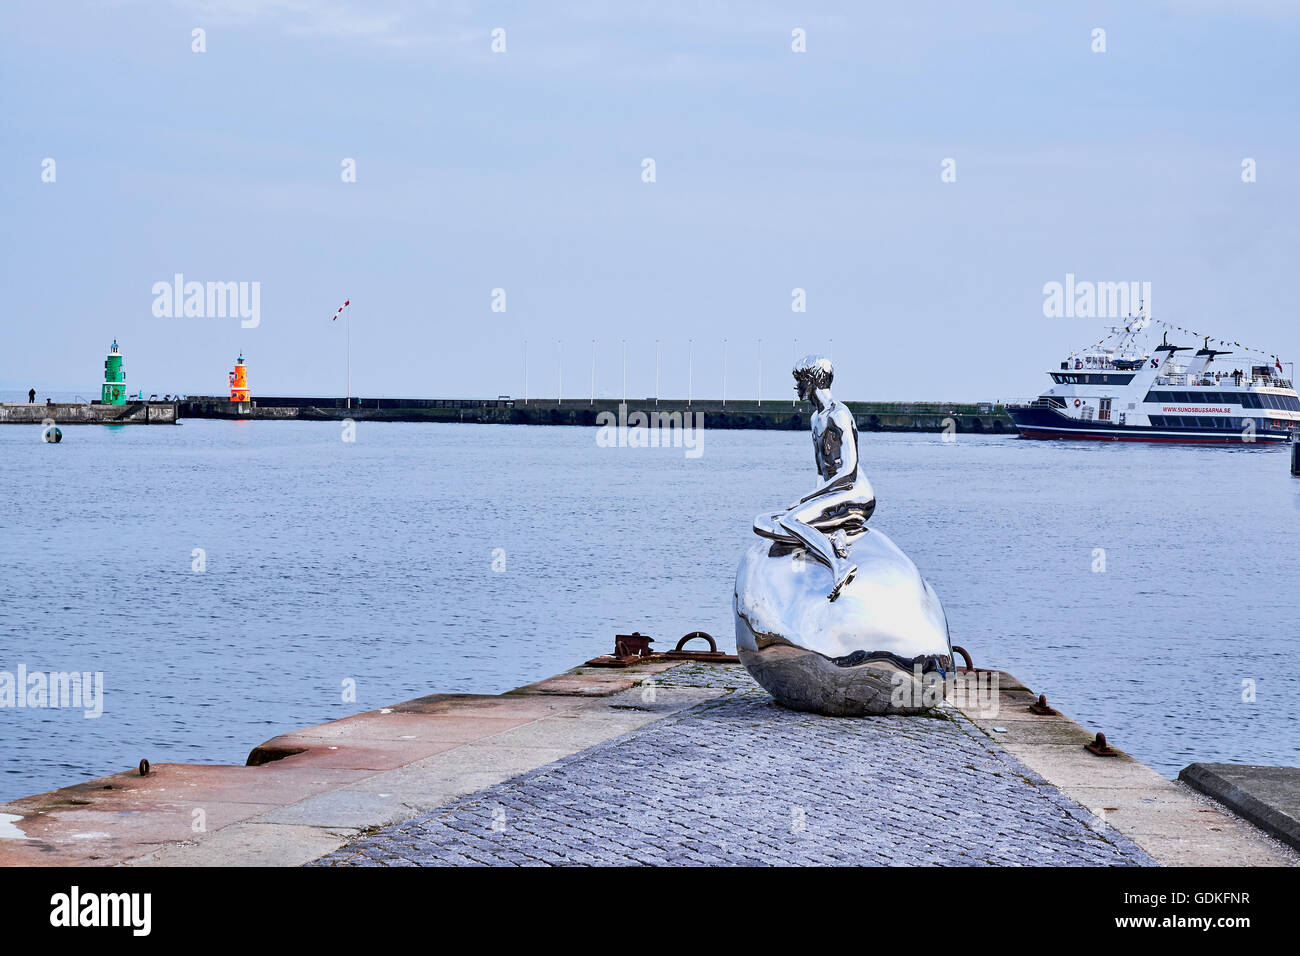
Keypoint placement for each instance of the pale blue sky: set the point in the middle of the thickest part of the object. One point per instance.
(522, 170)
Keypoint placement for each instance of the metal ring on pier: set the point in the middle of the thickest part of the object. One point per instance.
(144, 768)
(713, 645)
(958, 649)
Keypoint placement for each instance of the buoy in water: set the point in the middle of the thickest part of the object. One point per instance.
(52, 434)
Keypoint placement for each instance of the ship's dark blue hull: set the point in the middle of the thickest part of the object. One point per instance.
(1042, 421)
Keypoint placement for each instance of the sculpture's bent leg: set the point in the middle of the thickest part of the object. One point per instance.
(814, 523)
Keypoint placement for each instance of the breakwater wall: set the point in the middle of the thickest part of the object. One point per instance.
(82, 413)
(965, 417)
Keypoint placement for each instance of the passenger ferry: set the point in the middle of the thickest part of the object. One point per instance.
(1123, 393)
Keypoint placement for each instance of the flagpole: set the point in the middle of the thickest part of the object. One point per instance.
(348, 397)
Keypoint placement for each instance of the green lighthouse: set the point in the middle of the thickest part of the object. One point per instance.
(114, 389)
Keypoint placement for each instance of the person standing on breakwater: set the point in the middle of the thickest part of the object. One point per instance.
(31, 396)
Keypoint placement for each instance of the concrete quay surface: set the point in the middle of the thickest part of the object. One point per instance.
(1268, 797)
(659, 763)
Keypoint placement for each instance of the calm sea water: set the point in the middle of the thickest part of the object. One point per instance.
(372, 562)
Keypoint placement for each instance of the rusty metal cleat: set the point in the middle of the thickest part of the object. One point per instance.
(1040, 707)
(1100, 748)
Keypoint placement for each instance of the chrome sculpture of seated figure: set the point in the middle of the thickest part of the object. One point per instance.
(840, 505)
(830, 615)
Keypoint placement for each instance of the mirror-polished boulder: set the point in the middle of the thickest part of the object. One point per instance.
(853, 656)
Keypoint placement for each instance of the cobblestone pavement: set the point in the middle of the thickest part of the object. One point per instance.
(741, 781)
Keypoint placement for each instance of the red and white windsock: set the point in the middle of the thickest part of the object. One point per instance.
(346, 303)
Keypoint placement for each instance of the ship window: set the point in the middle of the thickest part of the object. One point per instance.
(1293, 403)
(1158, 421)
(1250, 400)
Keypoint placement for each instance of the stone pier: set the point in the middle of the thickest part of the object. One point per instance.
(658, 763)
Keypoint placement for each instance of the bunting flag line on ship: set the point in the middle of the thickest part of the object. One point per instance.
(1178, 328)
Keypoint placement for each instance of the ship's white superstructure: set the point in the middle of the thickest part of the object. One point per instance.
(1116, 391)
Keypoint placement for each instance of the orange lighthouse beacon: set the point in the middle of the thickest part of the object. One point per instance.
(239, 381)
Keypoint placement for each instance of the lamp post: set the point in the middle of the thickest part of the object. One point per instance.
(656, 372)
(625, 371)
(559, 352)
(724, 373)
(794, 360)
(525, 371)
(690, 371)
(593, 371)
(760, 373)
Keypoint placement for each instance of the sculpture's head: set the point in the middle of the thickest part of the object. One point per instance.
(812, 372)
